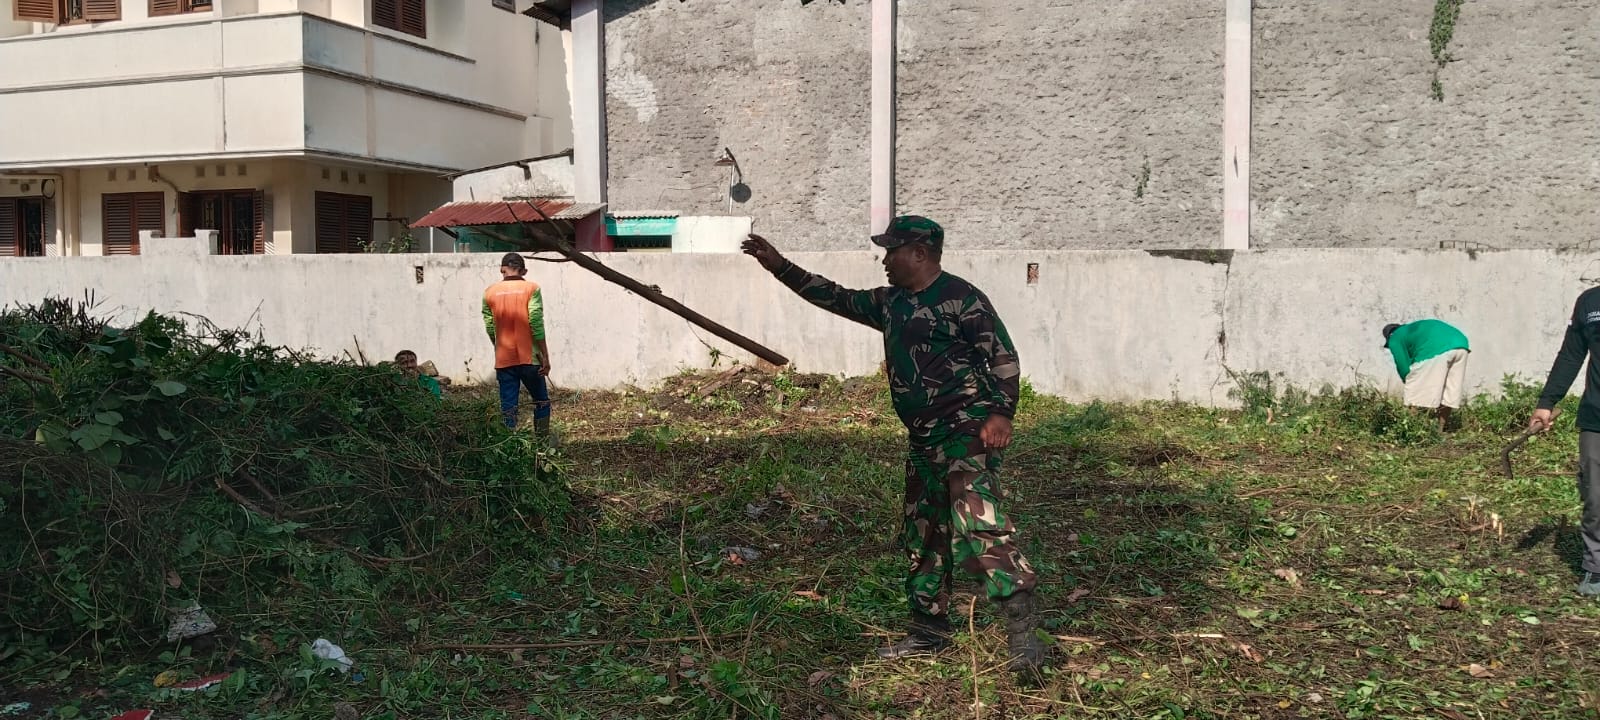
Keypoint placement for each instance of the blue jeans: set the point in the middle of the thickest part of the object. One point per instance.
(511, 381)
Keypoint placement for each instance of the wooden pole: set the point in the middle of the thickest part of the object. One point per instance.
(655, 296)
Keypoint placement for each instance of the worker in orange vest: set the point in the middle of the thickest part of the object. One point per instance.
(513, 315)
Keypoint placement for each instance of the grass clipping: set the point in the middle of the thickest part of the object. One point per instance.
(146, 468)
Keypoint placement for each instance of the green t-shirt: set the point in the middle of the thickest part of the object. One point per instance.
(431, 385)
(1422, 340)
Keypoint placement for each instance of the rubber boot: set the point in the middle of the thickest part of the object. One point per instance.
(927, 635)
(1022, 631)
(541, 429)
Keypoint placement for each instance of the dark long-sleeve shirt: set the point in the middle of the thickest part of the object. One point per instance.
(951, 364)
(1581, 341)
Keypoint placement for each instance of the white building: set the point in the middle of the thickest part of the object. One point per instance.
(287, 125)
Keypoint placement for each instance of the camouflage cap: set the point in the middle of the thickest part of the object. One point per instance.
(910, 229)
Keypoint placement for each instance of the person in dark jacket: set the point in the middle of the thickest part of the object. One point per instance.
(1581, 341)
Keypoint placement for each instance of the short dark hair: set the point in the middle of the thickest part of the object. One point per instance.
(404, 353)
(514, 261)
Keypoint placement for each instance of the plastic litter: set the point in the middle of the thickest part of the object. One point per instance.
(16, 708)
(326, 650)
(189, 622)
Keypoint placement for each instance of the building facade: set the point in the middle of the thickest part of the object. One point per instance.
(288, 126)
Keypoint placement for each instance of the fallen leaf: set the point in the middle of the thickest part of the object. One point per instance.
(685, 661)
(1373, 592)
(516, 656)
(1451, 603)
(1072, 538)
(1313, 697)
(1247, 651)
(1077, 595)
(167, 679)
(819, 677)
(346, 711)
(807, 594)
(173, 581)
(1288, 575)
(1284, 704)
(1095, 673)
(1479, 671)
(1248, 613)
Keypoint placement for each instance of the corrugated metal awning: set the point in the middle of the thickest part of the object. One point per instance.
(507, 212)
(639, 214)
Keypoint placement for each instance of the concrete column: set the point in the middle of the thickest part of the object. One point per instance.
(1236, 127)
(883, 119)
(589, 119)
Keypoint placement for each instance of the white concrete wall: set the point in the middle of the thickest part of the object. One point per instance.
(1110, 325)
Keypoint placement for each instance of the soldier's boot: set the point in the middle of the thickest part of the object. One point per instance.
(927, 635)
(1021, 612)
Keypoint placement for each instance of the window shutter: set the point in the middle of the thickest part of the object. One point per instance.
(51, 247)
(414, 18)
(330, 223)
(116, 224)
(37, 11)
(386, 13)
(102, 10)
(150, 211)
(8, 228)
(258, 224)
(166, 7)
(358, 213)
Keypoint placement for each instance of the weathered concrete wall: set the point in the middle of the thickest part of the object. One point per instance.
(1063, 123)
(1114, 325)
(784, 86)
(1351, 150)
(1090, 124)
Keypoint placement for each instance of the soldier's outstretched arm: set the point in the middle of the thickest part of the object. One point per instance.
(862, 306)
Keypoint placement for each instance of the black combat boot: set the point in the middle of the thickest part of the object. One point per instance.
(928, 635)
(1022, 631)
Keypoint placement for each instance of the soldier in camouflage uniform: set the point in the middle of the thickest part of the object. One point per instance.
(954, 377)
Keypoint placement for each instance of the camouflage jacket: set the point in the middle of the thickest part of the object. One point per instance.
(950, 362)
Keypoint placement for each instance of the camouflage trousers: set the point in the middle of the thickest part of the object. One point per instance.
(953, 518)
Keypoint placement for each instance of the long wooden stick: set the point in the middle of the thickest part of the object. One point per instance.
(655, 296)
(581, 643)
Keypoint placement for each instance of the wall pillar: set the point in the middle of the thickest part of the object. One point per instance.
(1236, 127)
(589, 120)
(883, 116)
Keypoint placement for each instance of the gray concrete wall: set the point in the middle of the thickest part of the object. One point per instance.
(1351, 150)
(1114, 325)
(1033, 123)
(1030, 124)
(784, 86)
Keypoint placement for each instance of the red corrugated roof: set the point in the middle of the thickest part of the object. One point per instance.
(506, 212)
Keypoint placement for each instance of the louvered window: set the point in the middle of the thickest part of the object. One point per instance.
(344, 222)
(177, 7)
(124, 215)
(407, 16)
(68, 11)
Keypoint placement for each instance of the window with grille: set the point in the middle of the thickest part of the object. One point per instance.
(24, 226)
(344, 222)
(238, 216)
(124, 215)
(407, 16)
